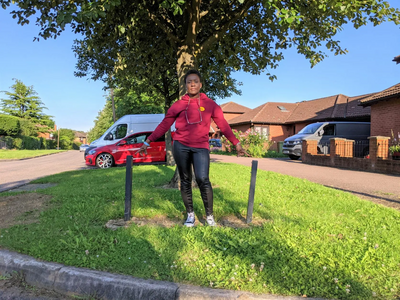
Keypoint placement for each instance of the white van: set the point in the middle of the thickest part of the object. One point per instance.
(127, 125)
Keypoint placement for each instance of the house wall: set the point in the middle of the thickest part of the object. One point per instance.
(45, 135)
(300, 126)
(385, 116)
(80, 140)
(242, 127)
(280, 132)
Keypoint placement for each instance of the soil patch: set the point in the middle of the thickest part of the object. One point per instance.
(22, 208)
(163, 221)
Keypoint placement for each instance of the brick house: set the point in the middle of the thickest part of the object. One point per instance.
(47, 135)
(280, 120)
(231, 110)
(80, 137)
(385, 111)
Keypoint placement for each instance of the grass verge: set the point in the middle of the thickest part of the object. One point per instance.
(313, 240)
(20, 154)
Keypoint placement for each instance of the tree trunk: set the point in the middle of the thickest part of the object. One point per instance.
(168, 146)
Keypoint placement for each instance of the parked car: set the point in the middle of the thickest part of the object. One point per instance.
(83, 147)
(115, 154)
(323, 132)
(125, 126)
(215, 143)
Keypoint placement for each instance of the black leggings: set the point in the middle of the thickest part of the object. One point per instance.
(200, 158)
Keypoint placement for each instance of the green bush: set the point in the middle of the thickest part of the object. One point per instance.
(31, 143)
(8, 140)
(18, 144)
(27, 128)
(255, 144)
(76, 145)
(28, 143)
(9, 125)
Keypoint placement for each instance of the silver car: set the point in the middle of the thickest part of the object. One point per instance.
(83, 147)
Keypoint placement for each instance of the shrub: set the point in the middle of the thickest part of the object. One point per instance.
(394, 143)
(9, 125)
(27, 128)
(31, 143)
(253, 142)
(8, 140)
(18, 144)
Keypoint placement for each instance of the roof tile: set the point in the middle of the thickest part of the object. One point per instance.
(388, 93)
(232, 107)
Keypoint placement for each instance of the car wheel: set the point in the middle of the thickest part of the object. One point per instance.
(294, 157)
(104, 161)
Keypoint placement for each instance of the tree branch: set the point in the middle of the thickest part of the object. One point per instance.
(193, 24)
(167, 31)
(239, 13)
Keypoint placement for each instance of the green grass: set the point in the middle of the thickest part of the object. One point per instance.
(19, 154)
(314, 241)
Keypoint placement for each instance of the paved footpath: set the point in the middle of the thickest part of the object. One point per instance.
(381, 188)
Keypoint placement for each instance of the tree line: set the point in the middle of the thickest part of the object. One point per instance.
(22, 120)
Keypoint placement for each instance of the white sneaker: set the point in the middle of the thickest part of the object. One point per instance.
(210, 220)
(190, 220)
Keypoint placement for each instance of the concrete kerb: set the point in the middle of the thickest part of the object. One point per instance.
(85, 282)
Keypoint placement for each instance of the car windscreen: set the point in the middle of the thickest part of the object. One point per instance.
(310, 129)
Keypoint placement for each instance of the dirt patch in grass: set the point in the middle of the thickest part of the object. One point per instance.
(163, 221)
(22, 208)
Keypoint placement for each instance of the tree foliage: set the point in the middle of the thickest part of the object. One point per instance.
(126, 102)
(66, 138)
(160, 39)
(24, 103)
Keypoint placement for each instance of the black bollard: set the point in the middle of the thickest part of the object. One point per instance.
(250, 205)
(128, 188)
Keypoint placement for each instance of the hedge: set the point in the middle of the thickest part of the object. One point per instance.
(28, 143)
(9, 125)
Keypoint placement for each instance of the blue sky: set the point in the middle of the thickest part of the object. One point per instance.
(74, 102)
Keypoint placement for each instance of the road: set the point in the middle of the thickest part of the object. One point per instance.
(15, 173)
(365, 184)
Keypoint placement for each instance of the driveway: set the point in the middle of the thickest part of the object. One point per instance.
(15, 173)
(379, 188)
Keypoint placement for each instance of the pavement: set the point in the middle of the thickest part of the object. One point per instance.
(94, 284)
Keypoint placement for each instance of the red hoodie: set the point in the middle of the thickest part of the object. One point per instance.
(195, 135)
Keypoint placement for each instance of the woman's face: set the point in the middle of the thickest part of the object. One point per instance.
(193, 85)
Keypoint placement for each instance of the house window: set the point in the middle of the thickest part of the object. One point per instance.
(261, 130)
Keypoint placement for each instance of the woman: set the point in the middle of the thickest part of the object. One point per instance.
(192, 115)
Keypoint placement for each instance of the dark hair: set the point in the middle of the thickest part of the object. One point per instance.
(192, 72)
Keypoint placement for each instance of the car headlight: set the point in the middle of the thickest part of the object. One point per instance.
(92, 152)
(296, 142)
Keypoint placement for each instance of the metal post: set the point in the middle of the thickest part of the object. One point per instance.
(250, 205)
(128, 188)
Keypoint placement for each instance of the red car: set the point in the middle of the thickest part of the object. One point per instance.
(107, 156)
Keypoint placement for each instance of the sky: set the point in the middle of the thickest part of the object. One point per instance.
(74, 103)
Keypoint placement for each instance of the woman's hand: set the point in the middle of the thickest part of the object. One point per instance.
(142, 150)
(240, 151)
